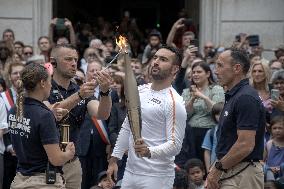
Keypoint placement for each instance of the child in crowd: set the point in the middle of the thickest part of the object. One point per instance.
(210, 139)
(196, 171)
(103, 182)
(274, 150)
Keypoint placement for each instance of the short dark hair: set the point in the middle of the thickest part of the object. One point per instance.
(8, 31)
(276, 119)
(176, 51)
(194, 162)
(55, 49)
(240, 56)
(43, 37)
(216, 109)
(19, 43)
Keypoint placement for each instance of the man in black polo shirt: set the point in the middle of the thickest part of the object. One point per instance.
(77, 100)
(241, 128)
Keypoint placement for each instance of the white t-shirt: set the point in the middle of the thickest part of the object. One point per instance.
(163, 125)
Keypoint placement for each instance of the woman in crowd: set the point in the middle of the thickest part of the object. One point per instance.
(259, 79)
(277, 103)
(34, 134)
(200, 97)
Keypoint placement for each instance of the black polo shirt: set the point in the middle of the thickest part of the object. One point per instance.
(77, 114)
(243, 110)
(28, 135)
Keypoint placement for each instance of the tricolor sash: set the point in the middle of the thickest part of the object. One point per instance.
(101, 129)
(8, 99)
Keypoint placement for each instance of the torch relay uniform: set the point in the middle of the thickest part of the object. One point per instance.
(28, 135)
(163, 125)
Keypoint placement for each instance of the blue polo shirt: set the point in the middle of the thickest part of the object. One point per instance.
(243, 110)
(29, 134)
(77, 114)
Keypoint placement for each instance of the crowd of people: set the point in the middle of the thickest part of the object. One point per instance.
(212, 116)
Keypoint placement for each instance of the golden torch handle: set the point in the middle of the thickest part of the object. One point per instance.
(132, 99)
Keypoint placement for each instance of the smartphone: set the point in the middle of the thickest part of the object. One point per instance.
(275, 94)
(187, 22)
(253, 40)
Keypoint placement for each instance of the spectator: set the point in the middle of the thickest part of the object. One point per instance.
(196, 171)
(210, 139)
(254, 59)
(84, 37)
(259, 79)
(28, 52)
(19, 47)
(100, 50)
(275, 65)
(102, 181)
(279, 51)
(277, 81)
(154, 43)
(8, 35)
(44, 45)
(92, 143)
(10, 159)
(199, 98)
(257, 50)
(2, 85)
(5, 58)
(208, 48)
(274, 150)
(186, 37)
(61, 33)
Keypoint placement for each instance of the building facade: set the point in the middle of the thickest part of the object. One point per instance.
(219, 20)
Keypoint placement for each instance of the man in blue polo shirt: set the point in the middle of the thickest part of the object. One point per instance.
(77, 100)
(241, 128)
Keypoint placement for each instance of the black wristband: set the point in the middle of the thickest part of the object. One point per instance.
(80, 95)
(104, 93)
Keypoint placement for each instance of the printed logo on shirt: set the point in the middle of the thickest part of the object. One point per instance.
(20, 127)
(226, 113)
(156, 101)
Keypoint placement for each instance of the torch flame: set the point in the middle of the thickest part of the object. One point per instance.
(121, 43)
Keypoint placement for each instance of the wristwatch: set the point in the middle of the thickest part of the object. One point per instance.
(219, 166)
(105, 93)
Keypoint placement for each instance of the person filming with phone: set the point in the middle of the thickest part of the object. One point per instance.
(277, 93)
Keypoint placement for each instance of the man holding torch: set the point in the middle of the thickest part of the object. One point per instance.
(150, 162)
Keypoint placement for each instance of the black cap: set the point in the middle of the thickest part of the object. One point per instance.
(155, 32)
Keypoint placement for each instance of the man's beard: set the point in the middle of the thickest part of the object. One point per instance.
(160, 75)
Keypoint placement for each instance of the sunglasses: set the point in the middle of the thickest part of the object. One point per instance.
(28, 53)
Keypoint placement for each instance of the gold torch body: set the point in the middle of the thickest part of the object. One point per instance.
(132, 99)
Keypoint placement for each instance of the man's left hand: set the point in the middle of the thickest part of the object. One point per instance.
(141, 149)
(212, 180)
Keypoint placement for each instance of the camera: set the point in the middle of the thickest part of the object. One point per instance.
(60, 29)
(253, 40)
(50, 174)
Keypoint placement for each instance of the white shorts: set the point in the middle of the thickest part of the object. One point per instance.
(133, 181)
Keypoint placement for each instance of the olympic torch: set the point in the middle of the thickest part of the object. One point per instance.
(132, 99)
